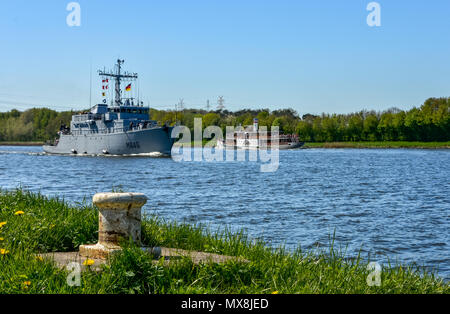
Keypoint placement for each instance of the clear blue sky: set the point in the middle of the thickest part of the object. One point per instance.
(314, 56)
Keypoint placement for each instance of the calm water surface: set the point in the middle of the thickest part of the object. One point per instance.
(391, 204)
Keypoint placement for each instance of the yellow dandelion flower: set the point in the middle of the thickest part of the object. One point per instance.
(26, 284)
(2, 239)
(40, 258)
(88, 262)
(275, 292)
(3, 252)
(19, 213)
(2, 224)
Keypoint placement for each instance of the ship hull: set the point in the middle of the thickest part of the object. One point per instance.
(155, 140)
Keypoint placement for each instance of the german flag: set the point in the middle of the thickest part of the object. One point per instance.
(128, 88)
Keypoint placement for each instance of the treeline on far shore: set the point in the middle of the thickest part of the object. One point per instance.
(430, 122)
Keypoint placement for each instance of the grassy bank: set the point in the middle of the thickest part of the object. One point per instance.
(34, 224)
(423, 145)
(21, 143)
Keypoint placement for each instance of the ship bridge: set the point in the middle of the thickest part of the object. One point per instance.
(105, 119)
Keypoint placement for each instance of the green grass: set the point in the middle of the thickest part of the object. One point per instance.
(429, 145)
(49, 225)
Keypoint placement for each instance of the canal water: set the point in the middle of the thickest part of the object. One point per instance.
(390, 204)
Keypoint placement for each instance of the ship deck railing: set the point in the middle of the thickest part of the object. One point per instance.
(112, 130)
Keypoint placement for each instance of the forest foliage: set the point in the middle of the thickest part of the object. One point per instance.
(429, 122)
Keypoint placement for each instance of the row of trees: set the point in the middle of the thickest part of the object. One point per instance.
(430, 122)
(32, 125)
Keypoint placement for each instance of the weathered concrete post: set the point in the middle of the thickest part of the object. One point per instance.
(119, 218)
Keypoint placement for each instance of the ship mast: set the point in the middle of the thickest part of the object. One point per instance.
(118, 76)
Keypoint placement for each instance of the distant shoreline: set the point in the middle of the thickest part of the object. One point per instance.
(21, 143)
(381, 145)
(354, 145)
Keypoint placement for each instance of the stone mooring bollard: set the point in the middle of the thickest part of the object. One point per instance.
(119, 218)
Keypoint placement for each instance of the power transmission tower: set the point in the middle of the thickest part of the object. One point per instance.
(221, 102)
(179, 107)
(208, 106)
(181, 104)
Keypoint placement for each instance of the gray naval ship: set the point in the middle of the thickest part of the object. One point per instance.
(123, 128)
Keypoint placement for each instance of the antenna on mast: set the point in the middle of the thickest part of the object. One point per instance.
(90, 85)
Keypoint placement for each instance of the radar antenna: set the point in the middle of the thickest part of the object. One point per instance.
(118, 76)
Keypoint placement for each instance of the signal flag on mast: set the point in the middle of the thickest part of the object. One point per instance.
(128, 88)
